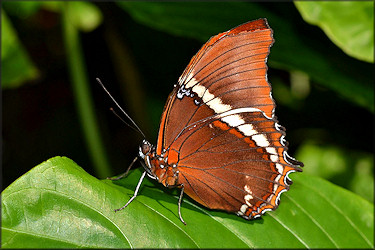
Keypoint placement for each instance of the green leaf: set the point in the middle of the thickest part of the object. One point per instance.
(349, 24)
(294, 49)
(58, 205)
(16, 65)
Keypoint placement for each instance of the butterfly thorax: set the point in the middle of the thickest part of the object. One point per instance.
(156, 166)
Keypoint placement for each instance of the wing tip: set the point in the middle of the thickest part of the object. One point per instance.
(258, 24)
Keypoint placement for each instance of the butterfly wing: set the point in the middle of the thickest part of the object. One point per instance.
(228, 61)
(219, 128)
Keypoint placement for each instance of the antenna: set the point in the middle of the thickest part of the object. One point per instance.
(113, 99)
(118, 116)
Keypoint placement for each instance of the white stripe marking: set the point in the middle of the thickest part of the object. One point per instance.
(243, 110)
(260, 140)
(279, 168)
(247, 189)
(233, 120)
(213, 102)
(247, 129)
(272, 151)
(248, 197)
(277, 179)
(190, 81)
(231, 116)
(198, 89)
(274, 158)
(273, 154)
(243, 208)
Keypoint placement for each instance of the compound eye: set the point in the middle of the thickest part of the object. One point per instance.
(145, 147)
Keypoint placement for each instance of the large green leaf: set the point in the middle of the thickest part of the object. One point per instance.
(294, 48)
(349, 24)
(57, 204)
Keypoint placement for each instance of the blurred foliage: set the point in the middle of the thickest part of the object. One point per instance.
(84, 15)
(350, 169)
(349, 24)
(87, 17)
(325, 97)
(16, 66)
(28, 8)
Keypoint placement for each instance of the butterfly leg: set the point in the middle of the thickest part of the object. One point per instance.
(135, 192)
(179, 203)
(124, 174)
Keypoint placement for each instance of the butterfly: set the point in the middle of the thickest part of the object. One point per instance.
(219, 140)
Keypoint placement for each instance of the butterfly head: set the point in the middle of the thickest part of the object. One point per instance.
(144, 149)
(156, 166)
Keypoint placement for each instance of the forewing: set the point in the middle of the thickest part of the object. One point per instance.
(228, 72)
